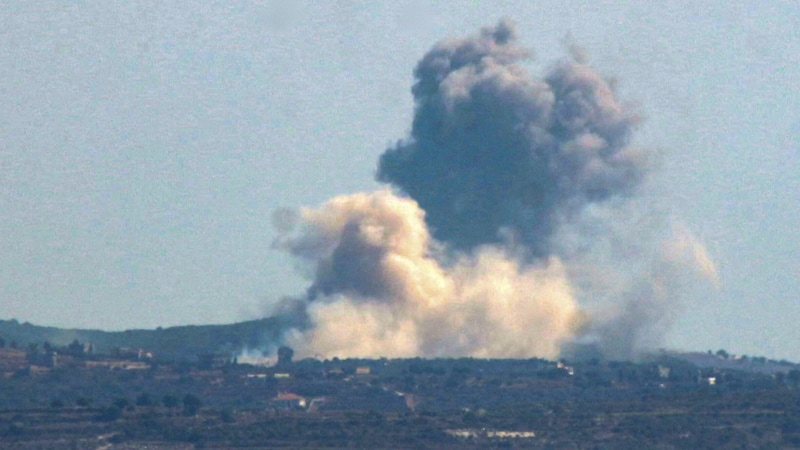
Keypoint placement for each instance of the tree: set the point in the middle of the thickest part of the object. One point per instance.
(227, 416)
(794, 377)
(110, 414)
(144, 399)
(285, 355)
(191, 405)
(171, 401)
(121, 402)
(75, 348)
(780, 378)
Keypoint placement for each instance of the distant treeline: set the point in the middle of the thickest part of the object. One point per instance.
(180, 343)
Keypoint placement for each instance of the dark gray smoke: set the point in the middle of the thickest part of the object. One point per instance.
(494, 151)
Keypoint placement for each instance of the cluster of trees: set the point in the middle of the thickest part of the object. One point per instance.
(11, 344)
(75, 348)
(189, 404)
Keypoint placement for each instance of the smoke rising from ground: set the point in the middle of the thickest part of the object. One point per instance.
(512, 234)
(378, 289)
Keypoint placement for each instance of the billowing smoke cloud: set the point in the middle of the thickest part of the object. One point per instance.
(379, 290)
(493, 149)
(511, 234)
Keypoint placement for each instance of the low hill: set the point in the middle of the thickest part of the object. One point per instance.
(186, 343)
(180, 343)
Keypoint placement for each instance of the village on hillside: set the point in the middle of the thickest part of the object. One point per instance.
(52, 395)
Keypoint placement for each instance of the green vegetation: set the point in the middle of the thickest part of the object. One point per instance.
(57, 394)
(167, 344)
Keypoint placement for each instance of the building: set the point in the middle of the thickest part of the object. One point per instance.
(288, 401)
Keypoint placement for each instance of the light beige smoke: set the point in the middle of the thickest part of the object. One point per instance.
(635, 290)
(381, 287)
(685, 250)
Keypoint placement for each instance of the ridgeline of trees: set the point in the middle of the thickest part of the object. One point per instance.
(181, 343)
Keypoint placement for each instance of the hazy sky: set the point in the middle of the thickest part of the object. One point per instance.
(144, 146)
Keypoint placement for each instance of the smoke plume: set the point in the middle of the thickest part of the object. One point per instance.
(379, 290)
(493, 149)
(510, 233)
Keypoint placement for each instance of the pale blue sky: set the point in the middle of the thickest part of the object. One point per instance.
(145, 145)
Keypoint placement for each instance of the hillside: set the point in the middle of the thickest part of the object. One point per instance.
(186, 343)
(101, 402)
(180, 343)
